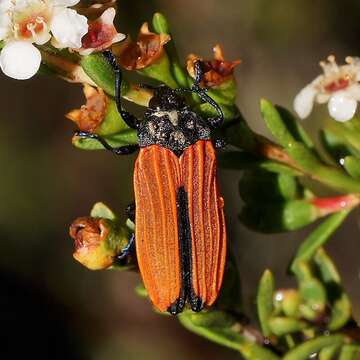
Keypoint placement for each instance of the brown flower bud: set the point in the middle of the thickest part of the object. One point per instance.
(92, 248)
(217, 71)
(90, 116)
(148, 49)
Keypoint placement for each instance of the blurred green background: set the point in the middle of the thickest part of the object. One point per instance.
(53, 308)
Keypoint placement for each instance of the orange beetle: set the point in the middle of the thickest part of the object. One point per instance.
(180, 233)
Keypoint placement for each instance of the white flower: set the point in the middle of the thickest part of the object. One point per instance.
(27, 22)
(338, 86)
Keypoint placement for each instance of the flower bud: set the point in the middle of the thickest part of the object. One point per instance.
(99, 115)
(147, 55)
(97, 241)
(217, 70)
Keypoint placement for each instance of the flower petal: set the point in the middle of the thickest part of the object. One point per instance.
(304, 101)
(65, 3)
(342, 107)
(20, 60)
(68, 27)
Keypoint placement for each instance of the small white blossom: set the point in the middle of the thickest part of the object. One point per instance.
(27, 22)
(338, 86)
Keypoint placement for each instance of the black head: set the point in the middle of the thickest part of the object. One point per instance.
(170, 122)
(166, 99)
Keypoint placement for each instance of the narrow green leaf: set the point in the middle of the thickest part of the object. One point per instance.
(352, 166)
(264, 300)
(275, 123)
(294, 127)
(350, 352)
(306, 349)
(241, 160)
(127, 137)
(281, 326)
(102, 211)
(161, 26)
(329, 352)
(141, 291)
(318, 237)
(334, 145)
(314, 168)
(230, 338)
(100, 71)
(263, 186)
(278, 217)
(339, 300)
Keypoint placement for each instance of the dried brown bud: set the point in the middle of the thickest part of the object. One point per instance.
(91, 246)
(148, 49)
(217, 71)
(90, 116)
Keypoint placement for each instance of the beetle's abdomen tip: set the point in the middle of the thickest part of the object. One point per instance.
(177, 307)
(196, 304)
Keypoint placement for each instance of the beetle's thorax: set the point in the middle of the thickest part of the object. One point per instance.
(174, 126)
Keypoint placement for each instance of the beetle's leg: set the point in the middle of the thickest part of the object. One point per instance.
(130, 119)
(219, 143)
(214, 122)
(130, 211)
(128, 249)
(122, 150)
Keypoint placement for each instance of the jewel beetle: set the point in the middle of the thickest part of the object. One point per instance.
(180, 233)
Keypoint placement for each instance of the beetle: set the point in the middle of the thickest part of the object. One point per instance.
(180, 233)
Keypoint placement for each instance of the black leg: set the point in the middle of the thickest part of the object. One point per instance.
(122, 150)
(214, 122)
(130, 119)
(127, 250)
(219, 143)
(130, 212)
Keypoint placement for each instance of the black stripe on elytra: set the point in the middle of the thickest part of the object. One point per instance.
(187, 292)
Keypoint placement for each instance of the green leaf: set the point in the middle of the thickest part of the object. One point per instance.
(127, 137)
(318, 237)
(206, 110)
(314, 168)
(241, 160)
(311, 291)
(160, 71)
(339, 300)
(275, 123)
(161, 26)
(228, 337)
(294, 127)
(352, 166)
(278, 217)
(350, 352)
(102, 211)
(334, 145)
(306, 349)
(264, 186)
(329, 352)
(141, 291)
(281, 326)
(264, 300)
(100, 71)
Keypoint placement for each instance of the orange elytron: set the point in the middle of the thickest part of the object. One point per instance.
(180, 234)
